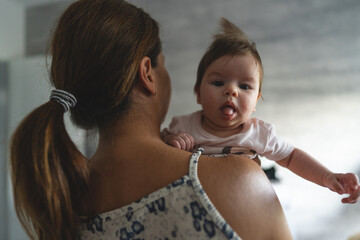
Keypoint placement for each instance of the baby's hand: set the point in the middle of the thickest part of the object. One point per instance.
(344, 184)
(183, 141)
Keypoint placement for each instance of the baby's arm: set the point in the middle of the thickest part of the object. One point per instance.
(183, 141)
(307, 167)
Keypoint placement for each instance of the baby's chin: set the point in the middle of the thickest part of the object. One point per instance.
(229, 126)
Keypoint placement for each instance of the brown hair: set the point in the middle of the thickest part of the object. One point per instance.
(96, 51)
(230, 41)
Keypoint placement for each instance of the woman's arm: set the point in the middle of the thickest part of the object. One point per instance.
(309, 168)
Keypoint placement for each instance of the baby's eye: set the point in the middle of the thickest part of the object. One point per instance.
(218, 83)
(244, 86)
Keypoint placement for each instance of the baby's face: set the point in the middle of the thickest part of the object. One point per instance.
(229, 91)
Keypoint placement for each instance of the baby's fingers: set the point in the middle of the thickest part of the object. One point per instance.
(337, 187)
(189, 141)
(175, 143)
(350, 182)
(181, 142)
(352, 198)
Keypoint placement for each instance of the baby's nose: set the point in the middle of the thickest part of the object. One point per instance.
(231, 91)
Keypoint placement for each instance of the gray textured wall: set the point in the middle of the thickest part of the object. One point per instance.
(306, 46)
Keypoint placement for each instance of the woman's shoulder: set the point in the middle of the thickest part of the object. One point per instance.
(243, 195)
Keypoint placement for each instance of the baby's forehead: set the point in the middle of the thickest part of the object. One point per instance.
(231, 62)
(225, 59)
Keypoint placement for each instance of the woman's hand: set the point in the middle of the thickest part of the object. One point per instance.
(343, 184)
(183, 141)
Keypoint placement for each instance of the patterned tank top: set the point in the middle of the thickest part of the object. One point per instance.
(181, 210)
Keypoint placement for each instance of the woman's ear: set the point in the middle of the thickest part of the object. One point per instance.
(146, 75)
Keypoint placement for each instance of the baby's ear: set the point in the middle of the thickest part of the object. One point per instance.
(197, 92)
(198, 98)
(259, 96)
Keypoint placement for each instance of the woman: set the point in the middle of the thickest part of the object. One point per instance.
(108, 69)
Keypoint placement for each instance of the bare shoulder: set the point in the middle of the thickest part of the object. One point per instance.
(241, 192)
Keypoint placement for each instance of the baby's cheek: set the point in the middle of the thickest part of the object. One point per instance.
(245, 107)
(250, 106)
(210, 101)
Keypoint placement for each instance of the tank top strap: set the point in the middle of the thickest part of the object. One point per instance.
(204, 199)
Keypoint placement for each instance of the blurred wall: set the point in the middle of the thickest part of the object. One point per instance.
(11, 46)
(3, 147)
(12, 29)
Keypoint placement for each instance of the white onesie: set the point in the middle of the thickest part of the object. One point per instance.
(256, 137)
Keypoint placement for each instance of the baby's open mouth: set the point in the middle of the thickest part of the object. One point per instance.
(228, 109)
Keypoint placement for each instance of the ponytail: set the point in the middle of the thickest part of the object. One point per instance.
(50, 175)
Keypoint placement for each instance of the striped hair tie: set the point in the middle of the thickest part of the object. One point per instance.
(67, 100)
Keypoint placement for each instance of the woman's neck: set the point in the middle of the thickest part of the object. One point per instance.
(133, 150)
(130, 128)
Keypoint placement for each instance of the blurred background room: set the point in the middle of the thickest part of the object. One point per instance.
(311, 55)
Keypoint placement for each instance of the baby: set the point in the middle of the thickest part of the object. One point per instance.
(228, 87)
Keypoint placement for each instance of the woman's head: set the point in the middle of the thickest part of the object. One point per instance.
(96, 51)
(230, 41)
